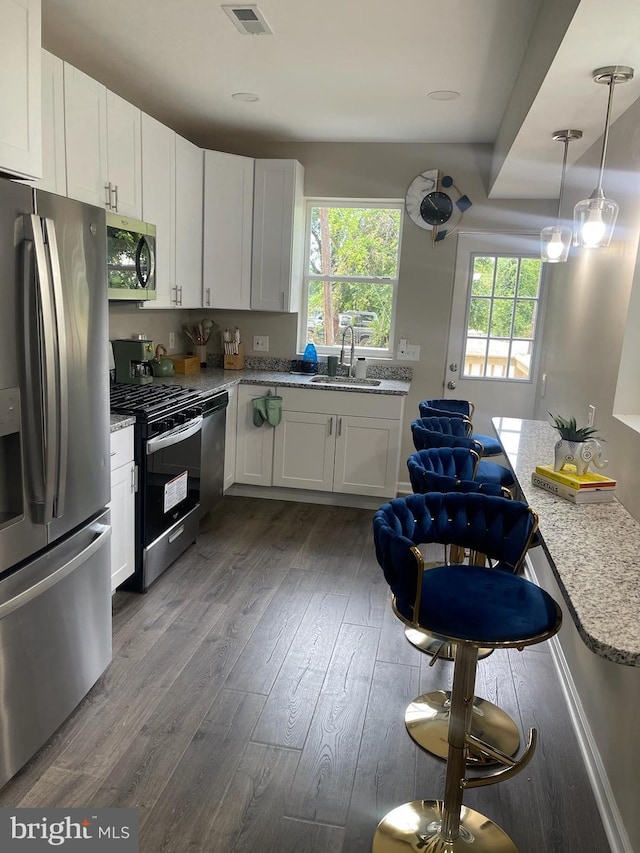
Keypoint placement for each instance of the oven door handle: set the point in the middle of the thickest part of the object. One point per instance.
(175, 436)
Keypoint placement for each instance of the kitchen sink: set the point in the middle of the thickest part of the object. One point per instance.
(344, 380)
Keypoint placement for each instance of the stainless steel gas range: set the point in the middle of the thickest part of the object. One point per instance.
(179, 451)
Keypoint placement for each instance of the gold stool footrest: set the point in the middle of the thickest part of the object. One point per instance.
(508, 772)
(417, 826)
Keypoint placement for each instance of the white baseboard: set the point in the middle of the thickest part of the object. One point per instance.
(305, 496)
(605, 800)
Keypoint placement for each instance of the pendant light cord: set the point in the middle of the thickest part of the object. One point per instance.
(605, 138)
(564, 168)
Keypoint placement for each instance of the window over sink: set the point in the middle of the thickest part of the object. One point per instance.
(351, 274)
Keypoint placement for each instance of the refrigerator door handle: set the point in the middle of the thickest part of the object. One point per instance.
(45, 325)
(103, 532)
(62, 369)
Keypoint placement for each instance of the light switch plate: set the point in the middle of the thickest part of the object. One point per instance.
(261, 343)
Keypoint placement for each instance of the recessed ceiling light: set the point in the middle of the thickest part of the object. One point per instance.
(247, 97)
(443, 95)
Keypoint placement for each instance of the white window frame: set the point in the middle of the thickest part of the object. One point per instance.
(535, 341)
(370, 352)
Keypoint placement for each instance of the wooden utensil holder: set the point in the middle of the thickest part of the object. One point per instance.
(235, 362)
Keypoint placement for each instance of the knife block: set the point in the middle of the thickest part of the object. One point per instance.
(235, 362)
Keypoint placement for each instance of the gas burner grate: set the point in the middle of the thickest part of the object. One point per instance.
(149, 399)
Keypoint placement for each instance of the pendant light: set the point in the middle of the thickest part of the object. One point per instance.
(555, 240)
(595, 217)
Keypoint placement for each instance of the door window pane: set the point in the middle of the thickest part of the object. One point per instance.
(502, 310)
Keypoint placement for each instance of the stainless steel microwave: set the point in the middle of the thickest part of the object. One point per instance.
(131, 258)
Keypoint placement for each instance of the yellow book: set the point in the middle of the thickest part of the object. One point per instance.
(570, 477)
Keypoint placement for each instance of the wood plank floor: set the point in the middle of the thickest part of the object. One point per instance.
(256, 702)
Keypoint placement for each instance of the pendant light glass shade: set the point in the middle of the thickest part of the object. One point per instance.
(555, 240)
(594, 218)
(555, 243)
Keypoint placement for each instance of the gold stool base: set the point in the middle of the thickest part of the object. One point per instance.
(427, 721)
(430, 646)
(415, 826)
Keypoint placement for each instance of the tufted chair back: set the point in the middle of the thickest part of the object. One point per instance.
(448, 425)
(500, 528)
(458, 407)
(448, 469)
(458, 462)
(424, 438)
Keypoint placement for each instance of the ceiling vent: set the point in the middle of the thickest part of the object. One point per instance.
(248, 20)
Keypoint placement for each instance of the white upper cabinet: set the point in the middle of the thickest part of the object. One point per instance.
(189, 212)
(278, 235)
(103, 148)
(228, 224)
(124, 156)
(20, 88)
(54, 167)
(159, 203)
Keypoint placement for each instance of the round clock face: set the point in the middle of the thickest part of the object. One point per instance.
(436, 208)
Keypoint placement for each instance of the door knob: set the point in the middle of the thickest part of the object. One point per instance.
(451, 385)
(453, 367)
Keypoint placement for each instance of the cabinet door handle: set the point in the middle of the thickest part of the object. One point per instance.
(175, 298)
(134, 478)
(284, 304)
(107, 195)
(331, 426)
(208, 296)
(339, 426)
(114, 206)
(180, 289)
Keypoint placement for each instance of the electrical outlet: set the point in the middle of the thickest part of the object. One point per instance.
(261, 343)
(172, 341)
(413, 352)
(543, 385)
(591, 415)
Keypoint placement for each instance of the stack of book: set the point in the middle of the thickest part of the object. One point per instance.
(578, 488)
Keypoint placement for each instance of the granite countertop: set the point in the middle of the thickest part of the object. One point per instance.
(121, 422)
(214, 379)
(593, 549)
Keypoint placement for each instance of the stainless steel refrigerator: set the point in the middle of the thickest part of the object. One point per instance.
(55, 592)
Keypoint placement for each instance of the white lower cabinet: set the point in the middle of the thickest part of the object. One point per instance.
(338, 442)
(254, 445)
(123, 489)
(230, 438)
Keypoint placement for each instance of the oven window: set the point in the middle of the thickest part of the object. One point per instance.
(171, 485)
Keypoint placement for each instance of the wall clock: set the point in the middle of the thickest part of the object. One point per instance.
(434, 203)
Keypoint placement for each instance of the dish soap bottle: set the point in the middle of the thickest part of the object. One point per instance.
(310, 359)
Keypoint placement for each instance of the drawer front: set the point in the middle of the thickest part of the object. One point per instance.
(342, 403)
(121, 447)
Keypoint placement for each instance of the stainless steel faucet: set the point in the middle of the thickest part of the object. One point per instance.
(353, 343)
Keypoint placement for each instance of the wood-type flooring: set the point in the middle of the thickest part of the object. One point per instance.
(256, 702)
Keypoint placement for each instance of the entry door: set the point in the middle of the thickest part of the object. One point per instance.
(496, 325)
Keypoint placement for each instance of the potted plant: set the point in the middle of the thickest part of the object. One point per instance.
(577, 446)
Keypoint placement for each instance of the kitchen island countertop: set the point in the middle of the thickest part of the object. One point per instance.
(593, 549)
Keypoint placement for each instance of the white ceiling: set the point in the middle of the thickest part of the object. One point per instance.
(360, 71)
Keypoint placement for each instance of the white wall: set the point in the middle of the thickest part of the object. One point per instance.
(587, 307)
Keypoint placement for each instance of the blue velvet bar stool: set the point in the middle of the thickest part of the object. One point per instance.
(448, 469)
(471, 606)
(461, 409)
(449, 432)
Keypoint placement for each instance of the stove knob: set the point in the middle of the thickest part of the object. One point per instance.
(169, 423)
(180, 417)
